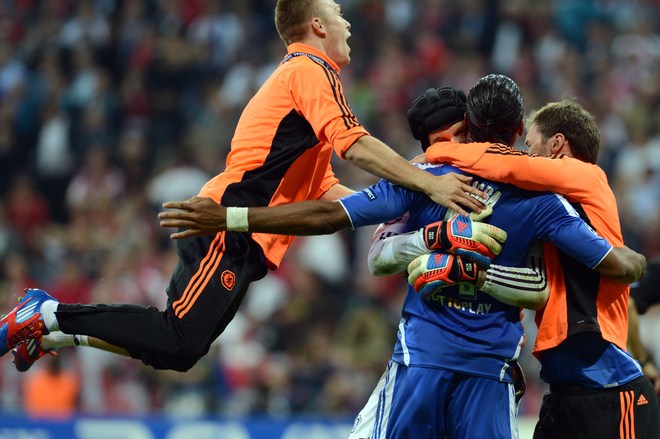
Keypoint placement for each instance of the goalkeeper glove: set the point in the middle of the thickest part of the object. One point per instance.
(432, 272)
(474, 241)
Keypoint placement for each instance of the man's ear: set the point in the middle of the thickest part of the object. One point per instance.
(318, 28)
(521, 128)
(559, 142)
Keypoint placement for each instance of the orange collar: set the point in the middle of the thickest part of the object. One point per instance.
(300, 47)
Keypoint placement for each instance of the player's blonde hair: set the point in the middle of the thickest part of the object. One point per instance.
(574, 122)
(292, 15)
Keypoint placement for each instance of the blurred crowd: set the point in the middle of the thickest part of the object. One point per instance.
(110, 107)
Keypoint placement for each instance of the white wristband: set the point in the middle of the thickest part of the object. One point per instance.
(237, 219)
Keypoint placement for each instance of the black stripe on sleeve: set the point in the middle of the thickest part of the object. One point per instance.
(346, 114)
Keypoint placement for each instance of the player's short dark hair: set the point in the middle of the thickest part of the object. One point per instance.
(574, 122)
(494, 109)
(434, 109)
(291, 16)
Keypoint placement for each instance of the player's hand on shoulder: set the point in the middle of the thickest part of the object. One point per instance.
(454, 192)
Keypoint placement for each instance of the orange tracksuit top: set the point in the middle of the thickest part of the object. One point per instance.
(281, 150)
(580, 299)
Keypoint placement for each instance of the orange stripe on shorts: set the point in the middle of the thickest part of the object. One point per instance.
(627, 424)
(201, 277)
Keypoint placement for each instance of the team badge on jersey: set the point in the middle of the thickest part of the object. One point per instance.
(228, 279)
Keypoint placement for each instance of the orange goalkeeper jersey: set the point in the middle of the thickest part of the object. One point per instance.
(284, 140)
(580, 299)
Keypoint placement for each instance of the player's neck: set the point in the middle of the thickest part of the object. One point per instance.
(566, 150)
(314, 42)
(470, 139)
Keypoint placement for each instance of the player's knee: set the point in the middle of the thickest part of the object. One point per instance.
(176, 363)
(179, 356)
(184, 364)
(186, 342)
(189, 353)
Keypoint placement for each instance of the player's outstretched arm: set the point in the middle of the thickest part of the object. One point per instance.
(509, 165)
(203, 216)
(449, 190)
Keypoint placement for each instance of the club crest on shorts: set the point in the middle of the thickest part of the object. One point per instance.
(228, 279)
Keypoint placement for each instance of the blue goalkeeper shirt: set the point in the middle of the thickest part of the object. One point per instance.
(462, 329)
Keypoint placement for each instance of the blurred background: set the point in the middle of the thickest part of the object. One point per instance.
(110, 107)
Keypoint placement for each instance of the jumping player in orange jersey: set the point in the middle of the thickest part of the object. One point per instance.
(280, 154)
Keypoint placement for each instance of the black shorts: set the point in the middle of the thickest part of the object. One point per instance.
(623, 412)
(212, 276)
(205, 291)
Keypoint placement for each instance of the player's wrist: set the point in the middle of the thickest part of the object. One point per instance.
(237, 219)
(481, 278)
(428, 184)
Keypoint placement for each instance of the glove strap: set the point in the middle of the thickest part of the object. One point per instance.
(444, 237)
(464, 271)
(432, 235)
